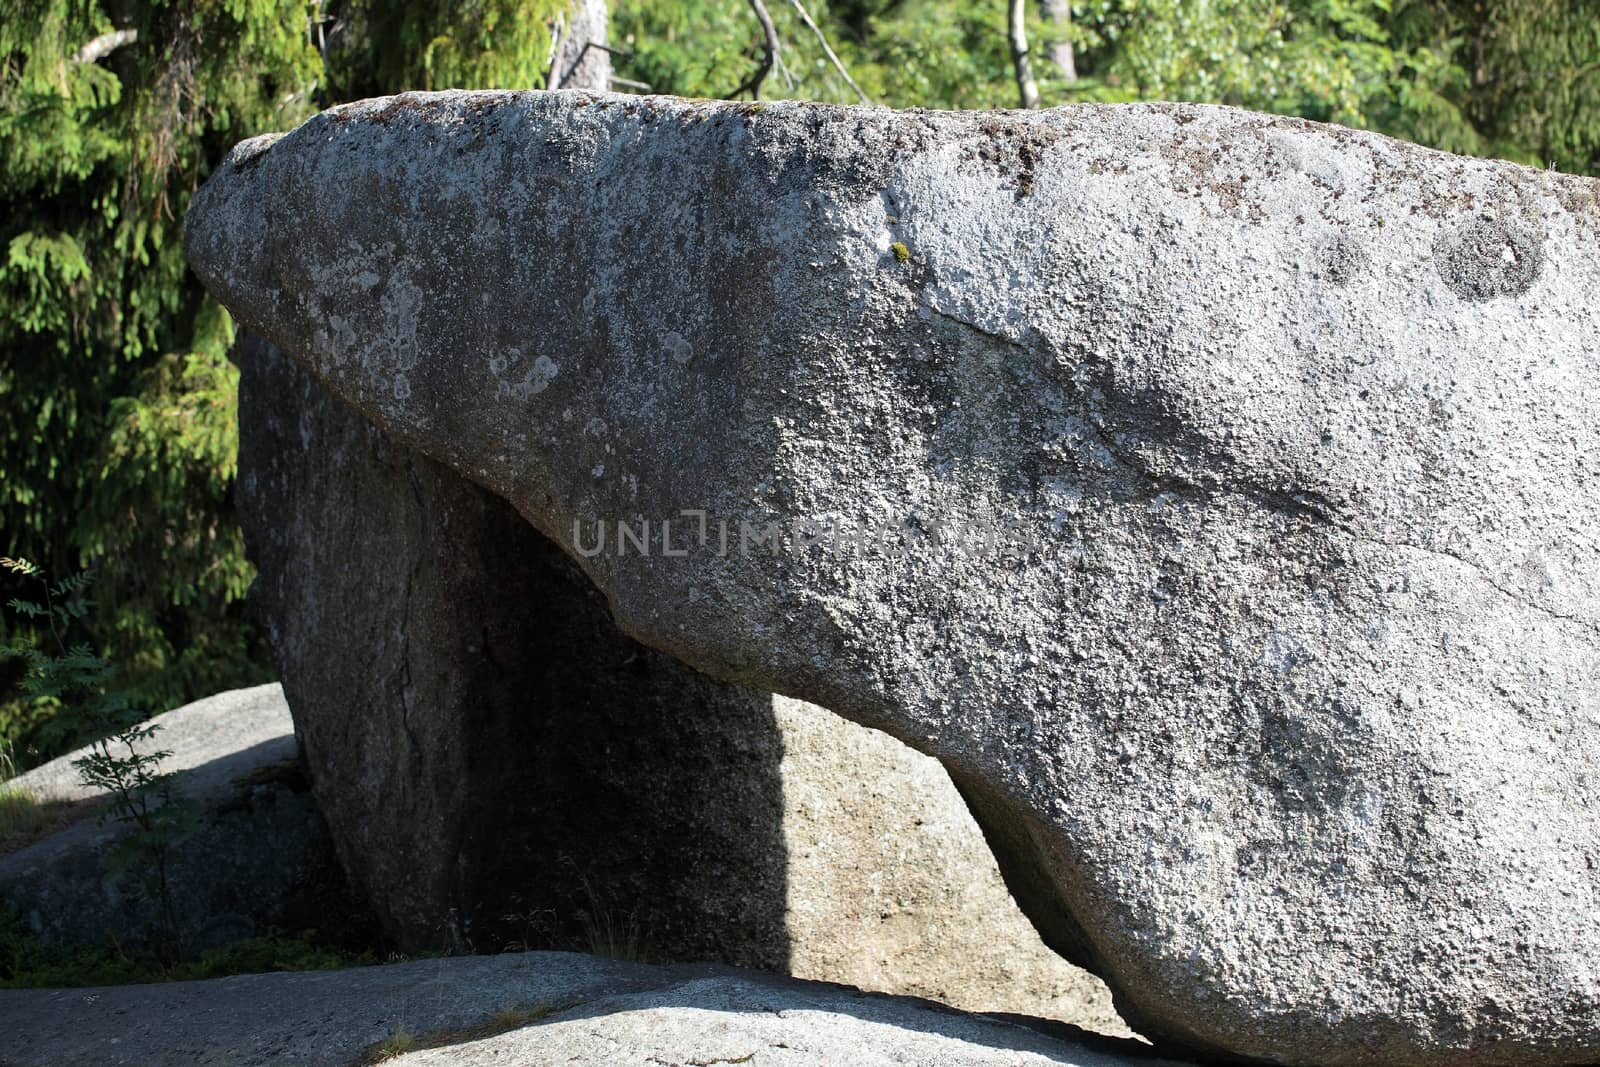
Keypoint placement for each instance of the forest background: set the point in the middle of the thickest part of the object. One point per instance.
(117, 400)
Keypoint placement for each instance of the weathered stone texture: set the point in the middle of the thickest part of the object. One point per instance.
(1286, 720)
(502, 767)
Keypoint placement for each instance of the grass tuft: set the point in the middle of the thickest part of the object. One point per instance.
(20, 810)
(396, 1044)
(520, 1015)
(512, 1017)
(617, 937)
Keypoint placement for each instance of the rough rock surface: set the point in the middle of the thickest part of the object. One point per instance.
(493, 756)
(1278, 706)
(549, 1008)
(889, 885)
(214, 742)
(261, 856)
(497, 762)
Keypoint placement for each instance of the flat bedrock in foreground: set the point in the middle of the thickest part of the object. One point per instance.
(1280, 710)
(525, 1008)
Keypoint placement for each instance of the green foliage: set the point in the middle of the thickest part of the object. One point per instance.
(1410, 68)
(27, 963)
(1525, 74)
(67, 691)
(116, 431)
(1320, 59)
(395, 1045)
(20, 811)
(699, 48)
(117, 401)
(925, 53)
(82, 689)
(388, 47)
(157, 816)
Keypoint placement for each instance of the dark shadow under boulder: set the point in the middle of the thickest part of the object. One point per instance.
(498, 764)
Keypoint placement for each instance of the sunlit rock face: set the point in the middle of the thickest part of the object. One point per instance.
(1208, 491)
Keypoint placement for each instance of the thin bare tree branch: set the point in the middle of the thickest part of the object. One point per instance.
(845, 74)
(790, 82)
(769, 56)
(1017, 33)
(104, 45)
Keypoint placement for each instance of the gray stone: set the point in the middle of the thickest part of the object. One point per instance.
(1278, 701)
(260, 857)
(525, 1008)
(498, 764)
(889, 885)
(493, 755)
(214, 742)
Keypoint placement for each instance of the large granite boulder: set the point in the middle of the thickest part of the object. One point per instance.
(502, 767)
(1203, 489)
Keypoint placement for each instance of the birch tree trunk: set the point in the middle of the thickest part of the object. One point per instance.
(1017, 33)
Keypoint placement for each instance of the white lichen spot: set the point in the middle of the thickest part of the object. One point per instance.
(596, 427)
(678, 347)
(500, 362)
(599, 470)
(342, 338)
(544, 372)
(401, 304)
(536, 381)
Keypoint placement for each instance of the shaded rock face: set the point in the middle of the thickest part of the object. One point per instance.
(1277, 698)
(498, 764)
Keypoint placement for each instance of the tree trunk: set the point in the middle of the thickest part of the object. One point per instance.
(1058, 13)
(1027, 88)
(581, 59)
